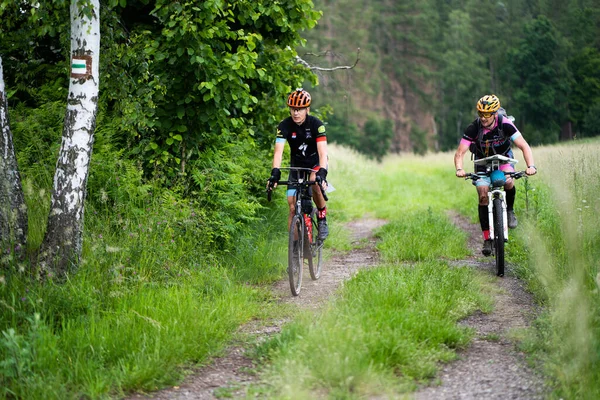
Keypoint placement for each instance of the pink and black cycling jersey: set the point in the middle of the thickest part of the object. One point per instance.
(488, 142)
(302, 140)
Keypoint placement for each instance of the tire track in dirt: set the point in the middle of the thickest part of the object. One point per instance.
(491, 367)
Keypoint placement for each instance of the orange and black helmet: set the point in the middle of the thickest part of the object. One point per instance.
(299, 98)
(488, 104)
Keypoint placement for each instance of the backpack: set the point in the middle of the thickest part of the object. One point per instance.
(501, 115)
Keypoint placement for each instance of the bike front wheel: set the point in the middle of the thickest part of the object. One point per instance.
(499, 236)
(315, 260)
(295, 254)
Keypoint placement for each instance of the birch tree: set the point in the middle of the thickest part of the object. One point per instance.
(62, 244)
(13, 212)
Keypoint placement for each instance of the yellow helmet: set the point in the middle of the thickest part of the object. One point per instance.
(299, 98)
(488, 104)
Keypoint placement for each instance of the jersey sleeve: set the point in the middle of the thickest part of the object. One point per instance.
(470, 133)
(321, 134)
(510, 129)
(281, 134)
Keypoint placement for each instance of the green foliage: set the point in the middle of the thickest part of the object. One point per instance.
(585, 96)
(541, 80)
(375, 142)
(559, 260)
(461, 78)
(342, 131)
(418, 138)
(200, 73)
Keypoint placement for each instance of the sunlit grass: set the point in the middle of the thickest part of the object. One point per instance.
(563, 249)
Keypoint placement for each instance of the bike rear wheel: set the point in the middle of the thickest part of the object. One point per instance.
(315, 261)
(499, 236)
(295, 254)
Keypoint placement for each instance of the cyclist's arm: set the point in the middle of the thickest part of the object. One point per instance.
(322, 150)
(522, 144)
(463, 146)
(278, 155)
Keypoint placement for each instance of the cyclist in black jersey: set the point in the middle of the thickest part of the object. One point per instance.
(486, 138)
(306, 137)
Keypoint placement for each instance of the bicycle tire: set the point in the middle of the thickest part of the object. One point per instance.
(295, 254)
(315, 263)
(499, 236)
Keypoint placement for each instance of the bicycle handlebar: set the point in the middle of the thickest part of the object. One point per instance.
(478, 175)
(296, 183)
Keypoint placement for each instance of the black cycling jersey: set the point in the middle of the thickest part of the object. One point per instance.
(302, 140)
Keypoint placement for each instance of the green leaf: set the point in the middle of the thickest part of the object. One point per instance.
(178, 137)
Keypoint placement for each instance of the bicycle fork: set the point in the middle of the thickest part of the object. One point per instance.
(502, 195)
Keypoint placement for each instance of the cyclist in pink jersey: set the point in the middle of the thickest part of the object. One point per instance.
(492, 133)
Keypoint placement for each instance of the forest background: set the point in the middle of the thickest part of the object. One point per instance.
(190, 95)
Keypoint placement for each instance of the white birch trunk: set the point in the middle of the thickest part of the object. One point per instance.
(13, 211)
(62, 244)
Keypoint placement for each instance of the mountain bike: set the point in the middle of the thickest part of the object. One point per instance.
(497, 202)
(304, 246)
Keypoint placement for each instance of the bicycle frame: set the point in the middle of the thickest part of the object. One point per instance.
(302, 244)
(498, 219)
(493, 163)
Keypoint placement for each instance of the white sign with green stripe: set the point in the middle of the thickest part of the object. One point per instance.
(78, 66)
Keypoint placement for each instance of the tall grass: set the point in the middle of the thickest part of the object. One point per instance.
(153, 293)
(562, 264)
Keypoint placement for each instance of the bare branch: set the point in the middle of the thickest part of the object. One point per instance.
(307, 65)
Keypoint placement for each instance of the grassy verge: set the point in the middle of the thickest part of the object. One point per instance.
(149, 298)
(559, 260)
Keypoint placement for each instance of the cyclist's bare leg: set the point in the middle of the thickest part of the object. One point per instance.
(322, 211)
(292, 206)
(482, 193)
(316, 193)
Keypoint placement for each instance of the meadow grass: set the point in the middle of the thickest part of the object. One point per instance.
(149, 299)
(560, 260)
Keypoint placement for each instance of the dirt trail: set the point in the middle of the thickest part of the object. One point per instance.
(231, 373)
(490, 368)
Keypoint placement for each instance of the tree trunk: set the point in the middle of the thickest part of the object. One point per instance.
(13, 211)
(61, 248)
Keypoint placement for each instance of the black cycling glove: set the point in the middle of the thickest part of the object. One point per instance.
(275, 175)
(321, 175)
